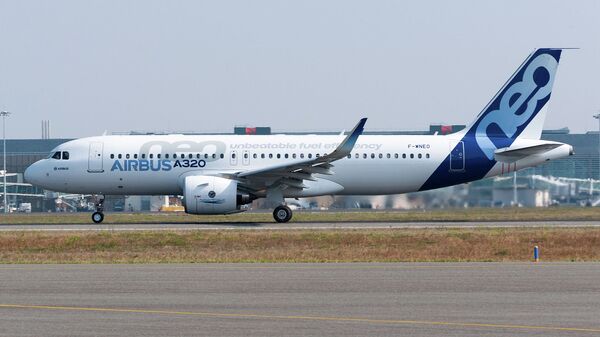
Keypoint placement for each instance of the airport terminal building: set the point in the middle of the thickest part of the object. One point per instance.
(581, 169)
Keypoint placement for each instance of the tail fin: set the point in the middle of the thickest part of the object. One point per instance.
(519, 108)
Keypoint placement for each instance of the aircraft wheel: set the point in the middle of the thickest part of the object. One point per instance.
(97, 217)
(282, 214)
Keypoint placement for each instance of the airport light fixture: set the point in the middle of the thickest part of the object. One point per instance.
(4, 114)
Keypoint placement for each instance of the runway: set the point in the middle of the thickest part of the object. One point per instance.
(293, 225)
(446, 299)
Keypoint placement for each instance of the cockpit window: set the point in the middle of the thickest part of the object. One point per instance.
(56, 155)
(65, 155)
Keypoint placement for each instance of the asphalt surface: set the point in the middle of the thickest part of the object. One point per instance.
(293, 225)
(447, 299)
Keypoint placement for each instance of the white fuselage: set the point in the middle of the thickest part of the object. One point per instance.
(145, 164)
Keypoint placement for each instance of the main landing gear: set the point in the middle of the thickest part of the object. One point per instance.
(282, 213)
(98, 215)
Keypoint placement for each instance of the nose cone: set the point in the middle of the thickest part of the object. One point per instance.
(31, 174)
(26, 174)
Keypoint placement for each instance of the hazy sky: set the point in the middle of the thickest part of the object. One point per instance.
(91, 66)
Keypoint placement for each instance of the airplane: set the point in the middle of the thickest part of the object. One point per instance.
(219, 174)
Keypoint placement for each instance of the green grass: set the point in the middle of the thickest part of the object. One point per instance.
(472, 214)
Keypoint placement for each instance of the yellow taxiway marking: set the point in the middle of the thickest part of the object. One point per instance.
(299, 317)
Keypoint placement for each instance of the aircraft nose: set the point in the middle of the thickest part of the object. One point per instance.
(27, 174)
(31, 174)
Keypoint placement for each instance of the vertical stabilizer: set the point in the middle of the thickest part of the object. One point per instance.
(518, 110)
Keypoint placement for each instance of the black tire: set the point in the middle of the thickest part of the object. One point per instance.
(282, 214)
(97, 217)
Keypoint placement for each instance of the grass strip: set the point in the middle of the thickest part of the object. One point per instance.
(393, 245)
(471, 214)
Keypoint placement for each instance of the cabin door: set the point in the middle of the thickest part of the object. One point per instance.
(95, 157)
(457, 156)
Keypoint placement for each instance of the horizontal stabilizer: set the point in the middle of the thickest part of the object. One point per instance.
(512, 154)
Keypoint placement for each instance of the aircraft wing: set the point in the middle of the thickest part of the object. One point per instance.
(292, 175)
(512, 154)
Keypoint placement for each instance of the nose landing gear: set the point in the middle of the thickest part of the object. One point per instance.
(98, 215)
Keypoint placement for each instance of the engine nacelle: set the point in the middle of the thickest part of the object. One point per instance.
(210, 195)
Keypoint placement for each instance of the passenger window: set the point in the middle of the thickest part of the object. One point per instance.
(233, 155)
(167, 156)
(151, 156)
(349, 156)
(396, 155)
(262, 155)
(190, 156)
(143, 156)
(420, 155)
(270, 155)
(197, 155)
(427, 155)
(404, 155)
(127, 156)
(302, 155)
(412, 156)
(214, 156)
(112, 156)
(222, 156)
(182, 156)
(245, 156)
(120, 156)
(254, 155)
(135, 156)
(309, 155)
(380, 155)
(364, 156)
(372, 155)
(286, 156)
(278, 156)
(294, 155)
(357, 156)
(389, 156)
(206, 156)
(158, 155)
(56, 155)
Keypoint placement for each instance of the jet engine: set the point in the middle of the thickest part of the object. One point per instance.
(212, 195)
